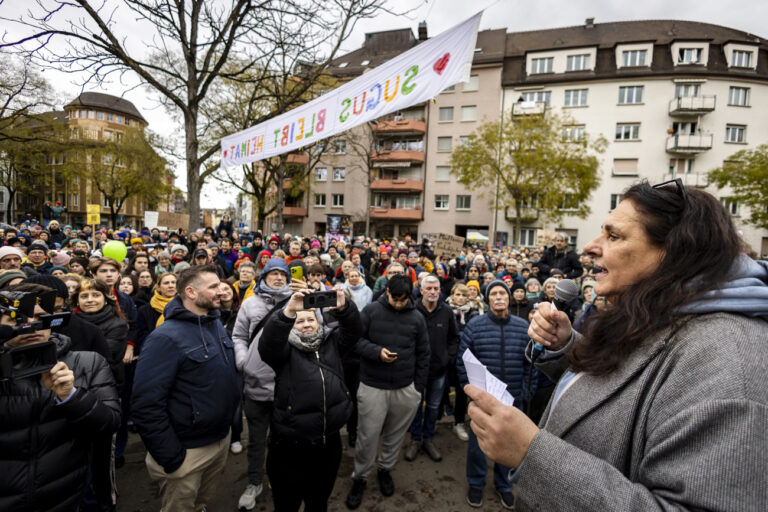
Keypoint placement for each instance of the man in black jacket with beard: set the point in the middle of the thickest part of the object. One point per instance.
(558, 256)
(394, 365)
(48, 422)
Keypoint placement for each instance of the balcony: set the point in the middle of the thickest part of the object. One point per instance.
(697, 180)
(297, 159)
(526, 214)
(691, 105)
(400, 127)
(527, 108)
(400, 155)
(690, 144)
(300, 186)
(397, 185)
(378, 213)
(294, 211)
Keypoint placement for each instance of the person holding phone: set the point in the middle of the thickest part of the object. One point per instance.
(311, 400)
(394, 365)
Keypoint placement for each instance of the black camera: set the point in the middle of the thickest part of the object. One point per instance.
(28, 360)
(320, 300)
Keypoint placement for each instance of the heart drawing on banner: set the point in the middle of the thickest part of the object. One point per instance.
(440, 63)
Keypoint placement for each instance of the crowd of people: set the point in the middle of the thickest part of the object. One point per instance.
(192, 335)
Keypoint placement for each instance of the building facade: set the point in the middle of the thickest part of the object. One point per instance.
(673, 98)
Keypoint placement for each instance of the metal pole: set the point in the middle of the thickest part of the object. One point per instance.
(496, 198)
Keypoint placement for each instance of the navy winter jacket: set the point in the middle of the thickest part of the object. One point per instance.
(186, 389)
(403, 332)
(499, 343)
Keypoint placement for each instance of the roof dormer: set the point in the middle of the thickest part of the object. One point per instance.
(634, 55)
(741, 55)
(690, 53)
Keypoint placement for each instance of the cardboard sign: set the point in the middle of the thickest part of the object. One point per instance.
(545, 237)
(173, 221)
(444, 244)
(93, 212)
(150, 219)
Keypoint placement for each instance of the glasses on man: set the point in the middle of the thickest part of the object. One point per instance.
(675, 186)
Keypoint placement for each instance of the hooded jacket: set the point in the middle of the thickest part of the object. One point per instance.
(311, 401)
(403, 332)
(186, 389)
(44, 447)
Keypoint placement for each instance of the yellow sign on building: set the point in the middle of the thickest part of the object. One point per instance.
(94, 214)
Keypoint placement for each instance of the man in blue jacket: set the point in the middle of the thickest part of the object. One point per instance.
(498, 340)
(186, 392)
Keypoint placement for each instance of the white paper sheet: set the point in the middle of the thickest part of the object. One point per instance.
(479, 376)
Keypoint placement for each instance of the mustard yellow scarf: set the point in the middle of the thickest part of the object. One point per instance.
(158, 303)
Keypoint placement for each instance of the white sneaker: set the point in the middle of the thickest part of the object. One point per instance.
(461, 432)
(236, 447)
(248, 498)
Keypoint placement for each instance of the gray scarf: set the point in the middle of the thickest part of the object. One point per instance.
(281, 293)
(307, 342)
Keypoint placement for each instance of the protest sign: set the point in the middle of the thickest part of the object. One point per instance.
(444, 244)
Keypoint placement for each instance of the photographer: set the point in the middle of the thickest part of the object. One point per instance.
(48, 420)
(311, 401)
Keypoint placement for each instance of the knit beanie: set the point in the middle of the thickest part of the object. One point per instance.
(8, 250)
(473, 284)
(60, 259)
(52, 282)
(179, 247)
(494, 284)
(9, 275)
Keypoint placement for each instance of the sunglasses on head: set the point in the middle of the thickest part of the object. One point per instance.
(675, 186)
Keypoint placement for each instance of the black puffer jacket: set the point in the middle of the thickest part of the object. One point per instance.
(43, 446)
(443, 337)
(403, 332)
(311, 401)
(115, 331)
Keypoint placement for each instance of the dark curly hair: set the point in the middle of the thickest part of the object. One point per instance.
(700, 245)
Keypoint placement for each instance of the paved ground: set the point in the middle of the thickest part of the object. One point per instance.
(421, 485)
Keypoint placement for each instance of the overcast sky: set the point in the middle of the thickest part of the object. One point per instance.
(748, 15)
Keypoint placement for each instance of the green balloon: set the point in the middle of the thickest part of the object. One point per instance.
(115, 249)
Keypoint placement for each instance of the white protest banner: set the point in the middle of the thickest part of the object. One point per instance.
(412, 77)
(150, 219)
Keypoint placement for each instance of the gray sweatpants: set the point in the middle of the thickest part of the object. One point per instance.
(388, 412)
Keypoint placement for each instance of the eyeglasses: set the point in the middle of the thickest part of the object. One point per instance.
(677, 183)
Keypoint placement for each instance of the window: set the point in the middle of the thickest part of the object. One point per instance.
(541, 65)
(574, 133)
(577, 62)
(441, 201)
(738, 96)
(446, 114)
(75, 179)
(444, 144)
(450, 89)
(319, 200)
(110, 117)
(344, 64)
(75, 199)
(100, 116)
(377, 200)
(104, 200)
(628, 131)
(527, 237)
(108, 134)
(689, 56)
(633, 58)
(442, 173)
(686, 90)
(339, 173)
(463, 202)
(469, 113)
(686, 128)
(625, 166)
(680, 165)
(734, 133)
(365, 62)
(83, 114)
(630, 95)
(406, 202)
(741, 59)
(731, 205)
(615, 200)
(338, 200)
(340, 147)
(472, 85)
(463, 139)
(543, 96)
(576, 98)
(569, 202)
(91, 114)
(321, 174)
(107, 159)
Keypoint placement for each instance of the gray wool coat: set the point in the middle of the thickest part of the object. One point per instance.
(682, 425)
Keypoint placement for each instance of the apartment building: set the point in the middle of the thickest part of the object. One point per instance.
(674, 99)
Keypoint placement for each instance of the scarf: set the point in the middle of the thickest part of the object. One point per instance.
(307, 342)
(278, 294)
(158, 303)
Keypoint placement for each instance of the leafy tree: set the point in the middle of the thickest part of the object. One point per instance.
(24, 93)
(125, 166)
(188, 45)
(541, 170)
(746, 173)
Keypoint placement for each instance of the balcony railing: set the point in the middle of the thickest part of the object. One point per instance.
(294, 211)
(689, 143)
(297, 158)
(398, 185)
(698, 180)
(692, 105)
(401, 155)
(396, 213)
(526, 108)
(401, 126)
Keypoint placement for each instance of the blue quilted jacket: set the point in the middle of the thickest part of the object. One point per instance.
(499, 343)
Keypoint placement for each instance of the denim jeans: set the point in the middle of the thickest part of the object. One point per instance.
(477, 467)
(423, 425)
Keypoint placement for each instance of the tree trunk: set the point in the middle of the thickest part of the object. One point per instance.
(9, 208)
(368, 205)
(193, 170)
(280, 194)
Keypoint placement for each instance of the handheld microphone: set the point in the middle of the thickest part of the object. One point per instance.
(565, 291)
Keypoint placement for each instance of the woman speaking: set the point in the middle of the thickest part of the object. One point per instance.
(662, 403)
